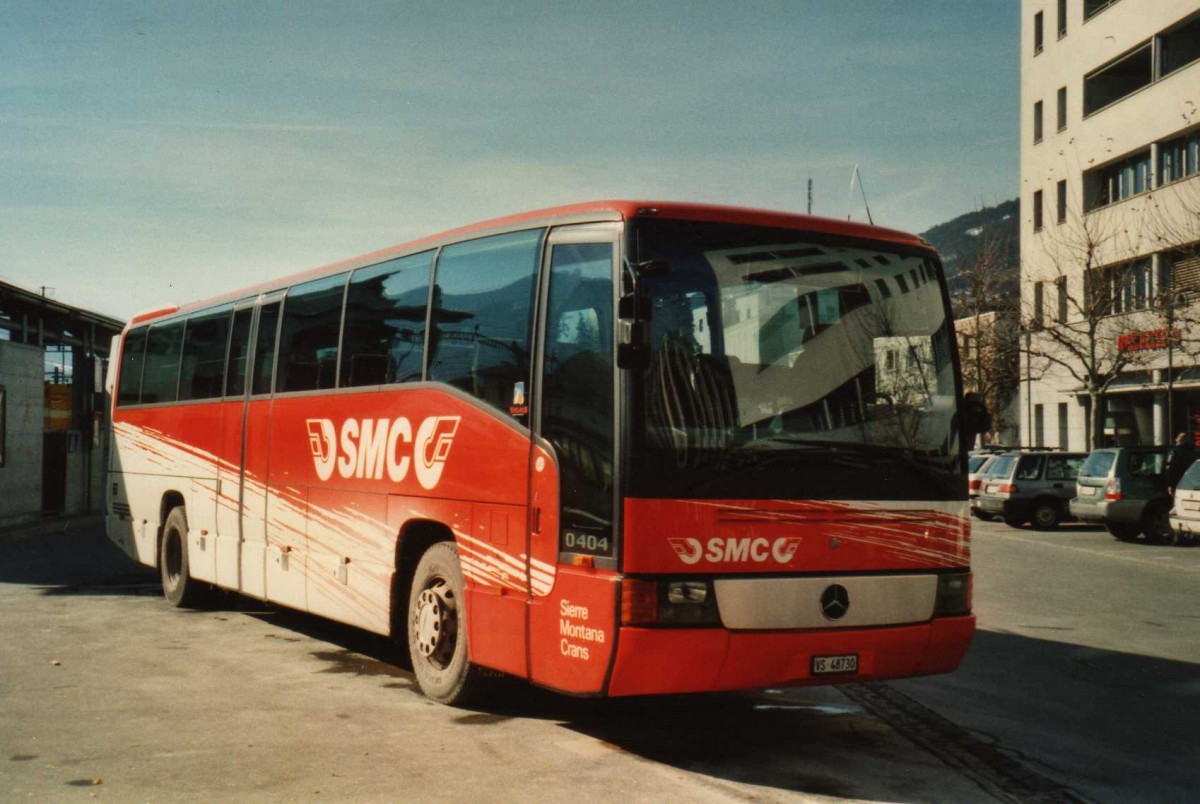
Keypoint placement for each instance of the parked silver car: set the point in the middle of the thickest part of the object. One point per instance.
(1030, 487)
(1125, 489)
(1185, 514)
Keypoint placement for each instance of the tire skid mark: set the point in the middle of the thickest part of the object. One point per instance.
(997, 770)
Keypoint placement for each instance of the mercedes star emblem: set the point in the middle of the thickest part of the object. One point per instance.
(835, 602)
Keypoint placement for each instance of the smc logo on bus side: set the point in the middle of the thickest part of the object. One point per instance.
(368, 448)
(717, 549)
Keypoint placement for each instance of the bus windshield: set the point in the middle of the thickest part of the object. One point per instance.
(791, 365)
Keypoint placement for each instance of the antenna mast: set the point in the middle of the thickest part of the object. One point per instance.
(855, 177)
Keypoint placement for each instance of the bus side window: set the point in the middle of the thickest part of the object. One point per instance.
(383, 338)
(203, 365)
(264, 348)
(482, 303)
(133, 355)
(239, 350)
(160, 376)
(308, 340)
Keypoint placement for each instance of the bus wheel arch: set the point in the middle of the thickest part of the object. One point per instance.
(179, 588)
(435, 627)
(170, 501)
(416, 537)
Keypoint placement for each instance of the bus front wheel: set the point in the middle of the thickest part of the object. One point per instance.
(437, 629)
(179, 588)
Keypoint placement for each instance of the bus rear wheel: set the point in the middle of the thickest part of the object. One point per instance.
(437, 630)
(179, 588)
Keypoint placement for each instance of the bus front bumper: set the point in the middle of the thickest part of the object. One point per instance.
(654, 661)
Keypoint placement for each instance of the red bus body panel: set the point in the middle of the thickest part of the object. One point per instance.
(773, 536)
(651, 661)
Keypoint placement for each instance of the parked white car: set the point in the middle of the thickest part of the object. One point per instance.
(977, 467)
(1185, 513)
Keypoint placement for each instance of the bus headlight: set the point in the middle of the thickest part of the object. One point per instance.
(953, 594)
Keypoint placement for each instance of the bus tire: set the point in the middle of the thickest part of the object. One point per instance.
(179, 588)
(437, 632)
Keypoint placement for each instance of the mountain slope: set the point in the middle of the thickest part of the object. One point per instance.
(960, 241)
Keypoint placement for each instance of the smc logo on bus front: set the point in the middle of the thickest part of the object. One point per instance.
(717, 549)
(368, 448)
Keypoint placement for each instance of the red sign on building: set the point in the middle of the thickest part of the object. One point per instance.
(1147, 340)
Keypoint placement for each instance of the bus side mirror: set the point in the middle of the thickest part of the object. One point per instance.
(633, 333)
(975, 419)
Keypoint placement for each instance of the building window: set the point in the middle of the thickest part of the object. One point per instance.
(966, 347)
(1118, 181)
(1037, 122)
(1039, 311)
(1060, 192)
(1181, 271)
(1063, 438)
(1061, 287)
(1039, 426)
(1038, 33)
(1118, 79)
(1093, 7)
(1062, 108)
(1037, 211)
(1062, 18)
(1179, 46)
(1179, 158)
(1123, 288)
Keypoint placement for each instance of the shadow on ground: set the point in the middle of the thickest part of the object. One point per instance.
(1096, 719)
(75, 558)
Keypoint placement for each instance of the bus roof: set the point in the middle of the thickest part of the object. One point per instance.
(590, 211)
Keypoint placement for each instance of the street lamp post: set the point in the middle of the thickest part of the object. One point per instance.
(1028, 386)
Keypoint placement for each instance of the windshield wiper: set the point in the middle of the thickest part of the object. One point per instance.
(848, 446)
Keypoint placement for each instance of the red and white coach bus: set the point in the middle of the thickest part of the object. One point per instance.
(613, 448)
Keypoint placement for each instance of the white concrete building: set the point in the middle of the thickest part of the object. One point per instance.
(1110, 200)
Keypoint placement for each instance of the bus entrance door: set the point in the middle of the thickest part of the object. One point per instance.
(573, 551)
(231, 450)
(253, 574)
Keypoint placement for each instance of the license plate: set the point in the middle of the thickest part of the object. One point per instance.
(991, 489)
(824, 665)
(1088, 491)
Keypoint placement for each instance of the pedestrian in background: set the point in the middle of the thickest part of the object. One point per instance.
(1179, 460)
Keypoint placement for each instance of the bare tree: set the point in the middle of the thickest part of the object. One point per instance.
(986, 304)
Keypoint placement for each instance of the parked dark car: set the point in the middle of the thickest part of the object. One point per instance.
(1032, 487)
(1125, 489)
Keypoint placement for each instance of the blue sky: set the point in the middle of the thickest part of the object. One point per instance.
(160, 152)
